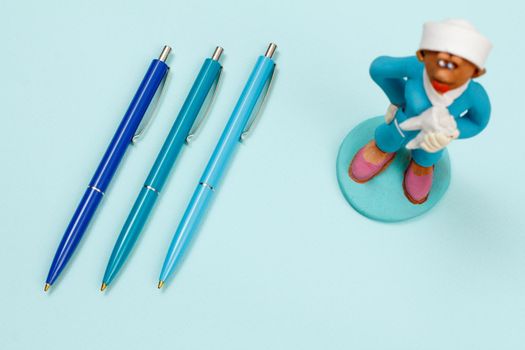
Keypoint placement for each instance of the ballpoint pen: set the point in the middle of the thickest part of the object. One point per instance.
(190, 117)
(129, 129)
(236, 129)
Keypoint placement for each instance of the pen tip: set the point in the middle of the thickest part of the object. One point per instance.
(46, 287)
(103, 287)
(161, 283)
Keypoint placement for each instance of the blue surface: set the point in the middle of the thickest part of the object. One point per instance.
(382, 198)
(298, 269)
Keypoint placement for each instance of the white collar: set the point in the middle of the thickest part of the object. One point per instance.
(445, 99)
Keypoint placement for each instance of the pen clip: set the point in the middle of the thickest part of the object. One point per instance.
(248, 129)
(150, 113)
(203, 113)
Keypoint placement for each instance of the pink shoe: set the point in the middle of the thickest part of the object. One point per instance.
(418, 182)
(368, 162)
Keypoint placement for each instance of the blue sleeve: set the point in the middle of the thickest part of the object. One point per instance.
(390, 73)
(478, 114)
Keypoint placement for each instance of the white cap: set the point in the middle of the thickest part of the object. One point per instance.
(458, 37)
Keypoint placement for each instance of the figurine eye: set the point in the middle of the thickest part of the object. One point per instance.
(451, 66)
(442, 63)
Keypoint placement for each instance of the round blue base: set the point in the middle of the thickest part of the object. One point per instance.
(382, 198)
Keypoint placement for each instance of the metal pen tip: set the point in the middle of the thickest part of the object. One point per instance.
(271, 49)
(217, 53)
(161, 283)
(46, 287)
(104, 286)
(165, 53)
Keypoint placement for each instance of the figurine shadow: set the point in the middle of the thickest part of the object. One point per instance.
(383, 198)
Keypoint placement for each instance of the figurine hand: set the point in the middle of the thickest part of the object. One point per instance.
(390, 113)
(436, 141)
(438, 129)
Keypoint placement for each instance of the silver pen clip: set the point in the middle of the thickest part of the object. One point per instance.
(203, 113)
(256, 109)
(146, 120)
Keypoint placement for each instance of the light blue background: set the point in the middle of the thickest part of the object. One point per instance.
(282, 261)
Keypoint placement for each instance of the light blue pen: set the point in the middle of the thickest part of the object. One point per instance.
(238, 125)
(184, 128)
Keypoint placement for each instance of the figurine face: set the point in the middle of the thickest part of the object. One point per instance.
(447, 71)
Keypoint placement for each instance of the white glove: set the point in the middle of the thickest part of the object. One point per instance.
(390, 113)
(438, 129)
(436, 141)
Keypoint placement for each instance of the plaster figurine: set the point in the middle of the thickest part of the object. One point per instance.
(434, 100)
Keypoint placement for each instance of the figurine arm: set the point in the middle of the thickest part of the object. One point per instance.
(477, 116)
(390, 73)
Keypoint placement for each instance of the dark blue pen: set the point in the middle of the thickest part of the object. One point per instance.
(108, 166)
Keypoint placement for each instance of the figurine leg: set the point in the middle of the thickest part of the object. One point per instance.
(390, 138)
(419, 175)
(377, 154)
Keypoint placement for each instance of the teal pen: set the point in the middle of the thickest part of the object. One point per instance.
(190, 117)
(240, 122)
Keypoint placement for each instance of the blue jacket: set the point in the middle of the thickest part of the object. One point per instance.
(402, 81)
